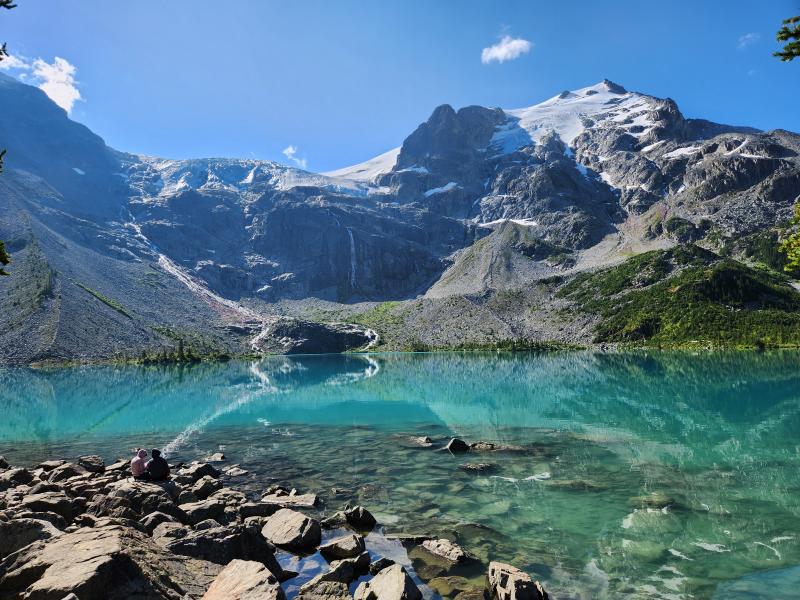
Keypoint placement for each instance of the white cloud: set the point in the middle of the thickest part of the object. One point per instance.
(56, 79)
(747, 39)
(507, 48)
(14, 62)
(290, 152)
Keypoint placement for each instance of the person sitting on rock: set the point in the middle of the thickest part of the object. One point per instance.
(157, 467)
(138, 465)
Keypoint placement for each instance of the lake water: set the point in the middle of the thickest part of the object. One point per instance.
(662, 475)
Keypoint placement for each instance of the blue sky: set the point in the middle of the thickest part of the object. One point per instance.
(342, 81)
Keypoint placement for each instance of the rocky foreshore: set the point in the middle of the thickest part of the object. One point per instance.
(85, 530)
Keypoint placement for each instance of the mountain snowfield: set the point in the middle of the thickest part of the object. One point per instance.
(117, 254)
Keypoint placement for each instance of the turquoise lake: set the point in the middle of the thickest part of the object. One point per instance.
(649, 475)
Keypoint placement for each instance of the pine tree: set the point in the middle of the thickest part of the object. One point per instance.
(790, 33)
(791, 243)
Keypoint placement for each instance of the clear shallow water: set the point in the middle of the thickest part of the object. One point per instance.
(718, 434)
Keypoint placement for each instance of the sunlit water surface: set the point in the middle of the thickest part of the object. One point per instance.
(609, 439)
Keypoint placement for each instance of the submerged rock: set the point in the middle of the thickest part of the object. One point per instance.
(291, 500)
(457, 446)
(245, 580)
(324, 590)
(478, 467)
(292, 530)
(504, 582)
(392, 583)
(446, 549)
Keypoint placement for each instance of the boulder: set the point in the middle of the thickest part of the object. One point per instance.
(56, 502)
(346, 546)
(229, 497)
(55, 520)
(324, 590)
(504, 582)
(207, 524)
(13, 477)
(446, 549)
(205, 486)
(216, 457)
(423, 441)
(293, 531)
(120, 466)
(457, 446)
(380, 564)
(19, 533)
(478, 467)
(66, 471)
(189, 475)
(92, 463)
(107, 563)
(4, 463)
(392, 583)
(144, 497)
(221, 545)
(235, 471)
(202, 510)
(360, 518)
(111, 506)
(44, 486)
(290, 501)
(245, 580)
(154, 519)
(49, 465)
(186, 497)
(164, 532)
(257, 509)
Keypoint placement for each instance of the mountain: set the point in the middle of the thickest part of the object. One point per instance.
(467, 234)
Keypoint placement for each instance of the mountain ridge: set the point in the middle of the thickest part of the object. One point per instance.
(239, 255)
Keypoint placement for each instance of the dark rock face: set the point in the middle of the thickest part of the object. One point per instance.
(292, 336)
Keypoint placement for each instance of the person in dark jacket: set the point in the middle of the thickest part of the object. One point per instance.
(157, 467)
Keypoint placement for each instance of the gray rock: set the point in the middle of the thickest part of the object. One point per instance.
(291, 501)
(92, 463)
(360, 518)
(190, 474)
(154, 519)
(54, 519)
(56, 502)
(293, 531)
(207, 524)
(446, 549)
(13, 477)
(457, 446)
(204, 509)
(346, 546)
(66, 471)
(205, 486)
(49, 465)
(216, 457)
(104, 563)
(380, 564)
(245, 580)
(392, 583)
(19, 533)
(257, 509)
(221, 545)
(324, 590)
(478, 467)
(144, 497)
(504, 582)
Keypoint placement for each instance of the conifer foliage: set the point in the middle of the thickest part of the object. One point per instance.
(789, 33)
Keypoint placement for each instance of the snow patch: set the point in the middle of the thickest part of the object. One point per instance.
(679, 152)
(369, 170)
(440, 190)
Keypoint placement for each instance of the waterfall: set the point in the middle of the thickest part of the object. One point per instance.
(352, 259)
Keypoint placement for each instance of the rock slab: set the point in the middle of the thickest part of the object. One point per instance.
(245, 580)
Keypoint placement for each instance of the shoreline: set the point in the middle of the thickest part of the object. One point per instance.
(206, 538)
(616, 348)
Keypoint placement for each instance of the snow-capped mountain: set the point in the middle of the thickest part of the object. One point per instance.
(475, 200)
